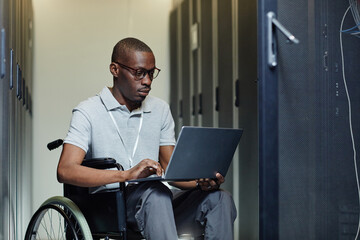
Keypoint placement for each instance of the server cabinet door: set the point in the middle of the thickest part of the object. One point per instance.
(186, 93)
(224, 93)
(207, 98)
(308, 186)
(268, 130)
(246, 102)
(195, 60)
(225, 98)
(174, 66)
(4, 121)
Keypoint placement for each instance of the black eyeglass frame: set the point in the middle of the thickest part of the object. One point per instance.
(135, 72)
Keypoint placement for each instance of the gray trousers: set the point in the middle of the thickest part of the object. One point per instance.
(161, 214)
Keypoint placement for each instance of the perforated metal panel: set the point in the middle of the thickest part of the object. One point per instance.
(299, 121)
(316, 192)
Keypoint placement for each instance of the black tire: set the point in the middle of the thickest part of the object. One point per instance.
(58, 218)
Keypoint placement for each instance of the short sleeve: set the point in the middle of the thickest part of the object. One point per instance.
(167, 135)
(80, 130)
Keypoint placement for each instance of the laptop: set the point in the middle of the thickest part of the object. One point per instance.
(200, 152)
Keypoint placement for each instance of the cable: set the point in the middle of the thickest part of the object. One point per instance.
(350, 121)
(355, 10)
(349, 29)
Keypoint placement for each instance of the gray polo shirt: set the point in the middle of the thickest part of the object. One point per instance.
(93, 130)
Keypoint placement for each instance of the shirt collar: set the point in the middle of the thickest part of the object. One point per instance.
(111, 103)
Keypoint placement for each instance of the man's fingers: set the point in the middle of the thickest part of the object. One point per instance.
(159, 170)
(149, 167)
(155, 168)
(220, 178)
(213, 184)
(208, 184)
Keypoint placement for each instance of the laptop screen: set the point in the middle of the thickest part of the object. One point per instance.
(202, 152)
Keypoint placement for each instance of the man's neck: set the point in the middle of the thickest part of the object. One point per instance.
(133, 106)
(129, 104)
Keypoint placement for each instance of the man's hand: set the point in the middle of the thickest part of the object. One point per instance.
(207, 184)
(144, 169)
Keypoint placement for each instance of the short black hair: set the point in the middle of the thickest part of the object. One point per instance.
(126, 44)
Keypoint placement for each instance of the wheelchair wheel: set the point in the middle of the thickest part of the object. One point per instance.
(58, 218)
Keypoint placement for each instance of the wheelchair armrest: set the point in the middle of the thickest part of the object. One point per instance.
(99, 208)
(104, 210)
(102, 163)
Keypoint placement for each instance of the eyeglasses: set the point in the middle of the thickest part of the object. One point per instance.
(141, 72)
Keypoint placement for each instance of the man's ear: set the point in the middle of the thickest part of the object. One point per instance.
(113, 69)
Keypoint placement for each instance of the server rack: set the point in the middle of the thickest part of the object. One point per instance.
(309, 165)
(16, 120)
(292, 103)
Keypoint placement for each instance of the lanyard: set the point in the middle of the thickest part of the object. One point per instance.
(130, 156)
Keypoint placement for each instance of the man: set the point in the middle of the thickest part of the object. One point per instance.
(137, 130)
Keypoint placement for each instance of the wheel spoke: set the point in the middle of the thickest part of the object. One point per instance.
(61, 227)
(51, 225)
(44, 226)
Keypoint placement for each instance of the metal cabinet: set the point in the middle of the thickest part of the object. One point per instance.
(308, 186)
(203, 85)
(16, 120)
(292, 95)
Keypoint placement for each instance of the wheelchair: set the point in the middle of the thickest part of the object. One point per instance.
(82, 215)
(79, 214)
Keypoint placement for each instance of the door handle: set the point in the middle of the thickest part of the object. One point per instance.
(272, 24)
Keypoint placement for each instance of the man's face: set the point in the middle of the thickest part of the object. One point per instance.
(133, 90)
